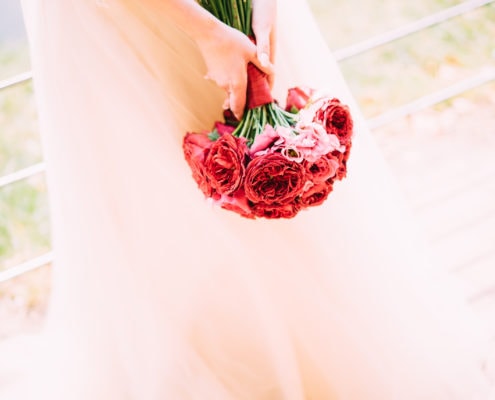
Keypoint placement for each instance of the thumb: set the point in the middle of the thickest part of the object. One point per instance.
(263, 49)
(263, 53)
(263, 24)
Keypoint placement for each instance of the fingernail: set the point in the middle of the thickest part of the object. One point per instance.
(264, 60)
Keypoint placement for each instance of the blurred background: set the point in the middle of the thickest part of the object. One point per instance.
(424, 74)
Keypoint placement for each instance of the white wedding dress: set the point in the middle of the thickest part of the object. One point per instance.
(157, 295)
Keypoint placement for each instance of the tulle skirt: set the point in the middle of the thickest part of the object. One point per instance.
(159, 295)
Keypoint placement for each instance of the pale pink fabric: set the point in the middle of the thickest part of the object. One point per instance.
(157, 295)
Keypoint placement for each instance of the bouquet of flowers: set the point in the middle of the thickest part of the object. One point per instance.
(275, 161)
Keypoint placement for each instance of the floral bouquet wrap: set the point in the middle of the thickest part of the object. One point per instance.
(275, 161)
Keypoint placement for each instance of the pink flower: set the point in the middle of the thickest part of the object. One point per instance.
(307, 141)
(223, 128)
(312, 141)
(297, 98)
(292, 154)
(263, 141)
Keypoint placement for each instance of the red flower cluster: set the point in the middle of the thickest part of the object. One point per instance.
(336, 119)
(277, 180)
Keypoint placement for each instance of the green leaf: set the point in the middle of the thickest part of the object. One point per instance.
(213, 135)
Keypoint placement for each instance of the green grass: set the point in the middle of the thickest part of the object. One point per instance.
(24, 219)
(19, 140)
(426, 61)
(344, 22)
(14, 58)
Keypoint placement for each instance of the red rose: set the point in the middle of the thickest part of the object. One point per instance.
(316, 195)
(275, 211)
(224, 164)
(223, 128)
(336, 119)
(196, 147)
(273, 179)
(238, 203)
(342, 158)
(322, 169)
(341, 172)
(297, 98)
(230, 118)
(347, 152)
(336, 155)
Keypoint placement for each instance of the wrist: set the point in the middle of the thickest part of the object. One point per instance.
(191, 18)
(207, 27)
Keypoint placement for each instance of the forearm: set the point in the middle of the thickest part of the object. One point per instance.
(225, 50)
(191, 18)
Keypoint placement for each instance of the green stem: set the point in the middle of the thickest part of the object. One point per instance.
(239, 14)
(242, 18)
(236, 22)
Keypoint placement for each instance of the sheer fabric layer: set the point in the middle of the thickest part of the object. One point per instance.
(158, 295)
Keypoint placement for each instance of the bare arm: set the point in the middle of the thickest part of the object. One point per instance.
(190, 17)
(225, 50)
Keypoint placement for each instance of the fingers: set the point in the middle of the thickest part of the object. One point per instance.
(262, 57)
(271, 77)
(264, 16)
(264, 64)
(235, 89)
(228, 69)
(263, 49)
(237, 96)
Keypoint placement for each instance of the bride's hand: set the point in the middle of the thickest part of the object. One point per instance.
(227, 52)
(264, 17)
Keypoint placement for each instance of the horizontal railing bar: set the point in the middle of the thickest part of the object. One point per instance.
(355, 49)
(22, 174)
(27, 266)
(432, 99)
(405, 30)
(15, 80)
(373, 123)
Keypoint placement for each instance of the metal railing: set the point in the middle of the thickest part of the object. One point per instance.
(15, 80)
(27, 266)
(485, 76)
(409, 29)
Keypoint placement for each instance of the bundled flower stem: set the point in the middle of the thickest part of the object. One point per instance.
(261, 108)
(274, 162)
(235, 13)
